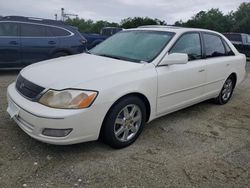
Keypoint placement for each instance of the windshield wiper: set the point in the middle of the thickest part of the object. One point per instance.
(110, 56)
(120, 58)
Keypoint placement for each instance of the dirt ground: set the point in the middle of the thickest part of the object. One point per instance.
(205, 145)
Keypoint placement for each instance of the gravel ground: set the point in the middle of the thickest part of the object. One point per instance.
(205, 145)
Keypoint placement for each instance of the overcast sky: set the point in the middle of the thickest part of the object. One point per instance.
(115, 10)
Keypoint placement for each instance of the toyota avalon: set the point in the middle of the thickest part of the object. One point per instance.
(133, 77)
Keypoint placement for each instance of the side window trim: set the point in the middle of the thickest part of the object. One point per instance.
(69, 33)
(190, 32)
(44, 25)
(204, 45)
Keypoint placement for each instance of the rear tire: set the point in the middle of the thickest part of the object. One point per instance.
(226, 91)
(124, 122)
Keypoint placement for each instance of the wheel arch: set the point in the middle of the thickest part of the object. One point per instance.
(234, 76)
(137, 94)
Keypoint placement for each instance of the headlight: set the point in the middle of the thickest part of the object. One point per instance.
(68, 99)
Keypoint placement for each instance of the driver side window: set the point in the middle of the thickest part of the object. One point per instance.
(190, 44)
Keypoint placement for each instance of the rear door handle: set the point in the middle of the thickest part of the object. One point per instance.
(13, 42)
(51, 42)
(202, 70)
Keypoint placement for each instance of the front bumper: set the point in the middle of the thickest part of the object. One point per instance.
(33, 118)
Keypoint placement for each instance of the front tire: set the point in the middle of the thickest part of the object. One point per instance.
(124, 122)
(226, 91)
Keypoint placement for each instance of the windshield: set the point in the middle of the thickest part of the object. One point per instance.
(136, 46)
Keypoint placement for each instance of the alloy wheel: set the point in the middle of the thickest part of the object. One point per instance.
(227, 89)
(127, 123)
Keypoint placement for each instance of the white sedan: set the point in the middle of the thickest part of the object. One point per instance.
(131, 78)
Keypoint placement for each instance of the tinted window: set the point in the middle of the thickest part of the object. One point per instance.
(59, 32)
(189, 44)
(32, 30)
(213, 46)
(49, 32)
(8, 29)
(248, 39)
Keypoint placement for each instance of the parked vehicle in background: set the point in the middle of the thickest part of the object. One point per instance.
(25, 40)
(241, 41)
(129, 79)
(95, 39)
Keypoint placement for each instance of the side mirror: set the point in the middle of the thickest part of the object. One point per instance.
(174, 58)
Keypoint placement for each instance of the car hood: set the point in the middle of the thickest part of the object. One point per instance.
(70, 71)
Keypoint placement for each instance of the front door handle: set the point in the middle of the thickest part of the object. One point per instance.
(202, 70)
(13, 42)
(51, 42)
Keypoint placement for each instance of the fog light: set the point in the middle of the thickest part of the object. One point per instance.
(56, 132)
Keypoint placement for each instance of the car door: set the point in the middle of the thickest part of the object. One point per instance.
(218, 60)
(10, 55)
(37, 43)
(182, 85)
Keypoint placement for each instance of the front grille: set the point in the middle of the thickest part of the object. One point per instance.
(28, 89)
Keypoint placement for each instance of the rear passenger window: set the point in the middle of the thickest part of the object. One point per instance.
(32, 30)
(59, 32)
(228, 49)
(189, 44)
(8, 29)
(213, 46)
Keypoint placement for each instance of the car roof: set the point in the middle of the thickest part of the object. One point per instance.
(112, 28)
(174, 29)
(38, 21)
(32, 20)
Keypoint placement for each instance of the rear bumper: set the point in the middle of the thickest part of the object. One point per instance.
(33, 118)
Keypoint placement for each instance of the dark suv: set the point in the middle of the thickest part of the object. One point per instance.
(241, 41)
(24, 41)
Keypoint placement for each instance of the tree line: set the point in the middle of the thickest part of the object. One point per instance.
(214, 19)
(89, 26)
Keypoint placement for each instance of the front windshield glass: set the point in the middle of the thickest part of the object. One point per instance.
(136, 46)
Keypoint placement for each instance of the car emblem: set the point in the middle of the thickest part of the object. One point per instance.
(21, 85)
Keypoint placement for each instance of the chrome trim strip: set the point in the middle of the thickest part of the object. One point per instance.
(11, 68)
(182, 90)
